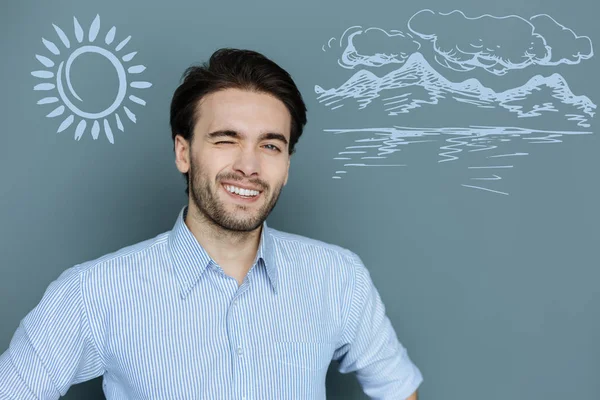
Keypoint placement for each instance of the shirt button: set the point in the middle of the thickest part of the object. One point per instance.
(240, 351)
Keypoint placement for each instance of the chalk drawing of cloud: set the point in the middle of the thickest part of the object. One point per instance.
(372, 47)
(498, 44)
(58, 89)
(573, 49)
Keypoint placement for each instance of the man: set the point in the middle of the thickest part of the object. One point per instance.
(222, 306)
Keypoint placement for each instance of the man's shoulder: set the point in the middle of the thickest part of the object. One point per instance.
(330, 268)
(130, 256)
(311, 246)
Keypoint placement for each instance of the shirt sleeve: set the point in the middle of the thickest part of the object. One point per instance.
(370, 347)
(52, 348)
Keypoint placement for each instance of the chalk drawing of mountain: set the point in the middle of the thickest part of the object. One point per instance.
(416, 84)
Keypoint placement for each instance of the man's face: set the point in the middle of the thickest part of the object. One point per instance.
(239, 158)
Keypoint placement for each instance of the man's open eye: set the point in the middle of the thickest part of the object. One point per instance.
(272, 147)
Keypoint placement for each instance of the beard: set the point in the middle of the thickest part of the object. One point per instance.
(206, 200)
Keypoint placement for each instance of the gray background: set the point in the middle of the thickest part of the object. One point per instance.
(494, 296)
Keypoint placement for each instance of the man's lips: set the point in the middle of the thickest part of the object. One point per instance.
(240, 197)
(242, 186)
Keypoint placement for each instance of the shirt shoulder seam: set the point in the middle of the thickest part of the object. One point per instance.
(94, 339)
(83, 271)
(117, 255)
(319, 244)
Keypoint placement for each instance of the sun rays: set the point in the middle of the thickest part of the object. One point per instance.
(64, 98)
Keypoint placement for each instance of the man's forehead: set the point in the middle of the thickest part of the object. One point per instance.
(241, 98)
(243, 112)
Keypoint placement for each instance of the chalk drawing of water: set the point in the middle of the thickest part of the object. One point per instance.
(382, 147)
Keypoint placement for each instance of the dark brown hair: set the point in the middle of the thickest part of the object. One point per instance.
(239, 69)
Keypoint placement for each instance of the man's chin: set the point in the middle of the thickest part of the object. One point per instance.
(234, 223)
(241, 226)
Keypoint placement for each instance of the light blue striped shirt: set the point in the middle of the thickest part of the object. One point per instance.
(161, 320)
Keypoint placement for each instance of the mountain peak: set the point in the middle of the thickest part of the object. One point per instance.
(416, 58)
(555, 80)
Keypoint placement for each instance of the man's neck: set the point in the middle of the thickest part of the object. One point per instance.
(233, 251)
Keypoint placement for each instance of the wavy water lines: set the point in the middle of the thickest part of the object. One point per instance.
(454, 148)
(455, 143)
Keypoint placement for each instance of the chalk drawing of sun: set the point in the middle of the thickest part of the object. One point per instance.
(58, 73)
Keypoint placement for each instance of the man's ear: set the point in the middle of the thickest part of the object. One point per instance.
(287, 172)
(182, 154)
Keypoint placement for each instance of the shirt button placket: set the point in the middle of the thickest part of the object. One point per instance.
(238, 337)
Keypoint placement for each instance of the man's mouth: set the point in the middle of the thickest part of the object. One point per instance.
(241, 192)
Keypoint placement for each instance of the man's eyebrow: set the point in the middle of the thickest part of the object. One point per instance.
(236, 135)
(274, 136)
(227, 133)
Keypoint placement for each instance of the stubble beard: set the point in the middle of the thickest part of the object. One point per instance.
(206, 200)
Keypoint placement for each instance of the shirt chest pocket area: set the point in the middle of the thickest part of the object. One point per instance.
(313, 356)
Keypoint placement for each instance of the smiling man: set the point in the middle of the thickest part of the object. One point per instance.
(221, 306)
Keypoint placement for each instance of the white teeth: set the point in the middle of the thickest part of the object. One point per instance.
(242, 192)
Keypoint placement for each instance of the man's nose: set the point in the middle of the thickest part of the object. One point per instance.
(247, 162)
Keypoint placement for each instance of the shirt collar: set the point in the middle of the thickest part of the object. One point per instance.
(190, 259)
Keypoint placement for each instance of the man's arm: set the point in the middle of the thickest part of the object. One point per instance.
(370, 347)
(52, 348)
